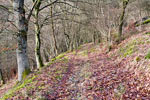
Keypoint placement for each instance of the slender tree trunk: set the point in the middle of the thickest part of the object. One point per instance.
(1, 78)
(53, 33)
(67, 38)
(1, 75)
(109, 40)
(94, 38)
(72, 42)
(37, 37)
(46, 56)
(109, 30)
(125, 3)
(140, 15)
(21, 23)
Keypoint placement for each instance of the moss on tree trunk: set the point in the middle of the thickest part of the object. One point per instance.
(125, 3)
(22, 26)
(143, 23)
(37, 37)
(25, 73)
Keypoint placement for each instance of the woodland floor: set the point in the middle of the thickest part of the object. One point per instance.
(91, 74)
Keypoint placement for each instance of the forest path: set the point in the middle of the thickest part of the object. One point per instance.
(89, 74)
(96, 76)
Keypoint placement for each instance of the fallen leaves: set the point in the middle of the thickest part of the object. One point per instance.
(97, 76)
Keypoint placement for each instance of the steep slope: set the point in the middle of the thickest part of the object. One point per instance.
(91, 74)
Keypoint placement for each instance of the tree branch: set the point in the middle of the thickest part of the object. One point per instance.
(1, 6)
(48, 5)
(30, 13)
(5, 8)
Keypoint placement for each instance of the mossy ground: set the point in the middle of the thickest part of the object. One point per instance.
(147, 55)
(131, 47)
(18, 86)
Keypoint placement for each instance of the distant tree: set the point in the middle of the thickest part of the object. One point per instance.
(53, 31)
(124, 5)
(1, 78)
(145, 5)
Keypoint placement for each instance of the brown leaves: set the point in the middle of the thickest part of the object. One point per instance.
(97, 76)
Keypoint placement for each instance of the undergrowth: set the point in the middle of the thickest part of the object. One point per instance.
(147, 55)
(130, 47)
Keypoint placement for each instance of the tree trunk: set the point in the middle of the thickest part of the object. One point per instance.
(21, 23)
(67, 39)
(1, 74)
(46, 56)
(125, 3)
(94, 38)
(72, 42)
(53, 33)
(109, 40)
(1, 77)
(37, 37)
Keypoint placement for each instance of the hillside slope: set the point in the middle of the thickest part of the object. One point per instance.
(91, 74)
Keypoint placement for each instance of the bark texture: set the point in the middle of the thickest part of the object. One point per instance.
(125, 3)
(37, 37)
(1, 77)
(53, 33)
(21, 23)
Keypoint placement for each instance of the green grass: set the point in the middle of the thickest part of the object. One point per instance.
(147, 55)
(58, 57)
(58, 77)
(131, 47)
(127, 50)
(58, 72)
(147, 33)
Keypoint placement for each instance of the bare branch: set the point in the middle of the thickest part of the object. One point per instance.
(5, 8)
(30, 13)
(48, 5)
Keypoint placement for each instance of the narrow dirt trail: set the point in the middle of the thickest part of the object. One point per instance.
(81, 81)
(98, 77)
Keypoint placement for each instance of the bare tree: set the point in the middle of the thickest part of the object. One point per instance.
(53, 32)
(22, 25)
(37, 36)
(124, 5)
